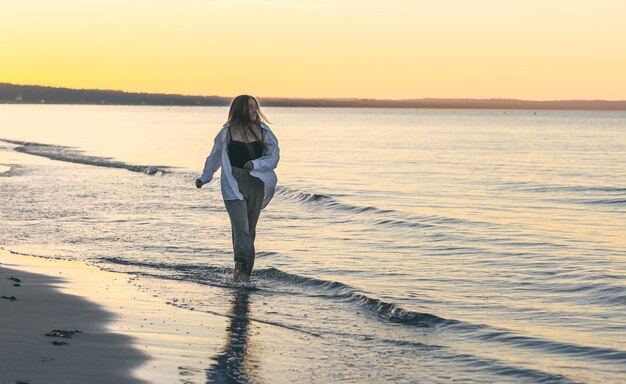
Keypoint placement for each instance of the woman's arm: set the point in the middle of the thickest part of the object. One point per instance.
(213, 162)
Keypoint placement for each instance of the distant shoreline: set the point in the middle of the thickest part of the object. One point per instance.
(33, 94)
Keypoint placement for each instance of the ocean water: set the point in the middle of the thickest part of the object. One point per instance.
(401, 246)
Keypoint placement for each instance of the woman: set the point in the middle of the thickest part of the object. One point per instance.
(248, 153)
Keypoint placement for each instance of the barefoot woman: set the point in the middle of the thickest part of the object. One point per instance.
(248, 153)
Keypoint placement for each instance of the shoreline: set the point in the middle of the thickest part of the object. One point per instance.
(125, 335)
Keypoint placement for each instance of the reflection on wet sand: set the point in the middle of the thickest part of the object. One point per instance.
(232, 365)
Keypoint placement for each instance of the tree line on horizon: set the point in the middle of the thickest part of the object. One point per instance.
(34, 94)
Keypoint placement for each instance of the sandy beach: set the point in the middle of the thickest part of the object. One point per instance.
(125, 335)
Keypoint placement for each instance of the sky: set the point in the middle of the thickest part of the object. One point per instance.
(392, 49)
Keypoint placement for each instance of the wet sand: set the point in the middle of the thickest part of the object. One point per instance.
(125, 335)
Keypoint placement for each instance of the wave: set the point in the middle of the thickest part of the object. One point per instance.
(616, 201)
(378, 216)
(72, 155)
(333, 290)
(577, 188)
(198, 269)
(385, 311)
(270, 280)
(496, 369)
(505, 369)
(326, 200)
(531, 187)
(595, 292)
(530, 342)
(339, 291)
(576, 194)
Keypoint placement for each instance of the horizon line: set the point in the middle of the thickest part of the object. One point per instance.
(321, 98)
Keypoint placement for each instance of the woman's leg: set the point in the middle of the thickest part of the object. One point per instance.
(243, 245)
(244, 215)
(254, 200)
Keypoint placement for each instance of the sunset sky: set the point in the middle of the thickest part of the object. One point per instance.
(393, 49)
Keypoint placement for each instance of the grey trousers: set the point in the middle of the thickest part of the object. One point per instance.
(244, 214)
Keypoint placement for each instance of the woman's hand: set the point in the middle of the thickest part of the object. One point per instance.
(198, 183)
(249, 166)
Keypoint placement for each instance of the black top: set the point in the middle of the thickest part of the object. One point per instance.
(240, 153)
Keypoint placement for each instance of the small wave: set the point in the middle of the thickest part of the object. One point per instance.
(596, 353)
(199, 274)
(72, 155)
(326, 200)
(499, 370)
(577, 194)
(618, 300)
(212, 275)
(46, 257)
(387, 311)
(505, 369)
(403, 223)
(616, 201)
(302, 196)
(605, 189)
(165, 266)
(265, 254)
(378, 216)
(596, 292)
(525, 187)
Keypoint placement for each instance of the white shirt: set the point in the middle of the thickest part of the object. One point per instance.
(263, 166)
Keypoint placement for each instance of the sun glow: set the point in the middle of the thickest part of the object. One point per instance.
(318, 48)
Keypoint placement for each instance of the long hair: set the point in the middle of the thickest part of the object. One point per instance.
(239, 115)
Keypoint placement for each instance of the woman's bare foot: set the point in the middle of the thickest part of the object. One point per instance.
(237, 271)
(239, 274)
(244, 278)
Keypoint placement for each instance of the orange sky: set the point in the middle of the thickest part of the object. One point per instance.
(531, 49)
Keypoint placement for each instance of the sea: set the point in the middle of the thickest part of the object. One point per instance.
(402, 245)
